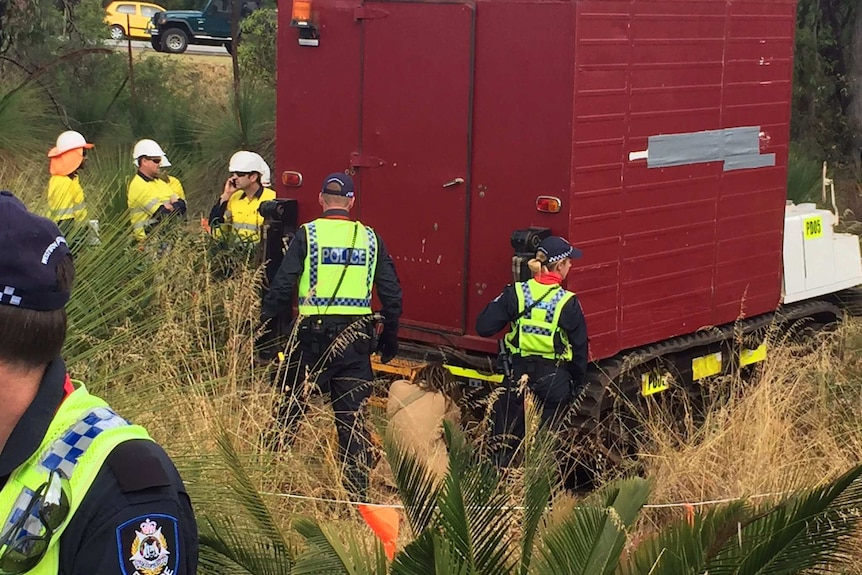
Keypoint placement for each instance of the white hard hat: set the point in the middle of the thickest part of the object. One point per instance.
(166, 163)
(265, 174)
(244, 161)
(148, 148)
(69, 140)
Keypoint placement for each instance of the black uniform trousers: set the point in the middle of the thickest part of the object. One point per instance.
(551, 385)
(346, 375)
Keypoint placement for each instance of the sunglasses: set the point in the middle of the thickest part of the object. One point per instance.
(240, 174)
(21, 549)
(154, 160)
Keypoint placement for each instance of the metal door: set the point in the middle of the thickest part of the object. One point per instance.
(413, 163)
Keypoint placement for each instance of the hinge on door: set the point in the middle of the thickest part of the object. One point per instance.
(366, 13)
(358, 160)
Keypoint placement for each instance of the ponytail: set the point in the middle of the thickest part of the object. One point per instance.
(538, 263)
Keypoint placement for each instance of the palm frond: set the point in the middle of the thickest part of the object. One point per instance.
(805, 531)
(474, 511)
(539, 478)
(331, 552)
(684, 547)
(249, 497)
(228, 548)
(590, 540)
(430, 554)
(416, 483)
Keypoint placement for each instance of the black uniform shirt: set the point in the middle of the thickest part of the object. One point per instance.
(280, 295)
(504, 309)
(137, 500)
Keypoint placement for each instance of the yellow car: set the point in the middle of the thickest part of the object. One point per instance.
(130, 18)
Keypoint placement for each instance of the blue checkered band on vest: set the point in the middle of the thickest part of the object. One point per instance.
(314, 257)
(312, 252)
(549, 305)
(372, 255)
(536, 330)
(62, 456)
(339, 301)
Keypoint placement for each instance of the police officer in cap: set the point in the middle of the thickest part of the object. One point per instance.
(547, 343)
(83, 490)
(334, 262)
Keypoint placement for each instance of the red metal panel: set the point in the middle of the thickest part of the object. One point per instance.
(317, 113)
(522, 144)
(559, 107)
(416, 117)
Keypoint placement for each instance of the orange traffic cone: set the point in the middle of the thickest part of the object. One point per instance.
(384, 522)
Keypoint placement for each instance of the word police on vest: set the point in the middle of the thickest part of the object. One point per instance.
(339, 256)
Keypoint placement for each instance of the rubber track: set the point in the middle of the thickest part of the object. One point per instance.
(603, 377)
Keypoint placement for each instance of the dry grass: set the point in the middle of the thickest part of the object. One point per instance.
(794, 424)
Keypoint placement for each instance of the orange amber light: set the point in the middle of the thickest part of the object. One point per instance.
(548, 204)
(301, 11)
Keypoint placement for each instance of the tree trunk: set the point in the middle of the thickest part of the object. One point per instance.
(856, 93)
(234, 33)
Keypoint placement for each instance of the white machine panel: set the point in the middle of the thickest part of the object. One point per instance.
(817, 261)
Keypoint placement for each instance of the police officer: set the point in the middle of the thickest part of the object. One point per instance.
(66, 203)
(547, 342)
(334, 262)
(151, 199)
(83, 490)
(236, 211)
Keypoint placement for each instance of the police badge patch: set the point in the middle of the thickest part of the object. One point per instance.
(148, 545)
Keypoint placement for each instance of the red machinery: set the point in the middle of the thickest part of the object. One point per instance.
(652, 134)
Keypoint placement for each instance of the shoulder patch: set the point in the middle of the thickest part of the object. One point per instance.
(136, 465)
(148, 545)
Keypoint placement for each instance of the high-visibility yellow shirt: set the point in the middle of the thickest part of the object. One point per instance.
(535, 332)
(177, 187)
(83, 425)
(144, 198)
(242, 216)
(66, 199)
(338, 273)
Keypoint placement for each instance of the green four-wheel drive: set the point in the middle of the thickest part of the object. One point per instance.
(174, 30)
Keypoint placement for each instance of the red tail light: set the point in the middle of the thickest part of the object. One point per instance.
(548, 204)
(291, 179)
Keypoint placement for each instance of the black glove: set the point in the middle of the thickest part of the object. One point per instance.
(388, 345)
(264, 345)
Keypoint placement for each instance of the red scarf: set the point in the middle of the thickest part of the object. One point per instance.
(68, 388)
(548, 278)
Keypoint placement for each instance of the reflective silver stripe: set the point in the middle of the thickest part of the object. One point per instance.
(143, 223)
(250, 227)
(69, 211)
(152, 205)
(139, 211)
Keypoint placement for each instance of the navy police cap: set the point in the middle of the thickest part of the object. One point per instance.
(338, 184)
(557, 248)
(31, 248)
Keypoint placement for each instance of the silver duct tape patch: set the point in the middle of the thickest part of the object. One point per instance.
(746, 162)
(738, 148)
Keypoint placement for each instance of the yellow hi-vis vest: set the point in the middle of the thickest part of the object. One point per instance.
(534, 333)
(329, 256)
(144, 198)
(242, 216)
(80, 438)
(66, 199)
